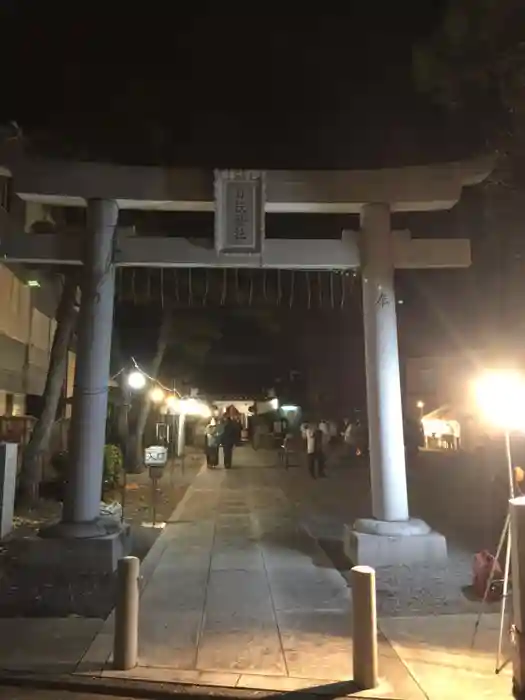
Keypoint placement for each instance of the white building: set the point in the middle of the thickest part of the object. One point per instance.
(440, 389)
(27, 325)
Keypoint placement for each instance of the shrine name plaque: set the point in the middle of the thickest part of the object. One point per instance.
(239, 211)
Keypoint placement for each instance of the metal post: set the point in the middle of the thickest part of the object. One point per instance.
(505, 593)
(123, 493)
(125, 643)
(181, 439)
(364, 636)
(508, 453)
(153, 501)
(510, 470)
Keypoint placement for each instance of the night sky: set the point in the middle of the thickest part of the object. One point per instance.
(239, 87)
(229, 86)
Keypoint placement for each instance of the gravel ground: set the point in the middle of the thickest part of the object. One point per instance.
(42, 592)
(450, 493)
(404, 591)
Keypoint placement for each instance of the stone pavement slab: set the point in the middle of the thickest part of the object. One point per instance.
(438, 653)
(45, 645)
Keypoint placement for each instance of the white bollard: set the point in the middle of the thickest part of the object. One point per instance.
(8, 469)
(364, 627)
(125, 643)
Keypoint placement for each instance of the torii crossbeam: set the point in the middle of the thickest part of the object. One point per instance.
(131, 250)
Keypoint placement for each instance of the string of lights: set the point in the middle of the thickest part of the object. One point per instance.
(122, 369)
(172, 400)
(151, 379)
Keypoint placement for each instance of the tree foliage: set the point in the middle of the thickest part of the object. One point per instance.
(478, 52)
(192, 336)
(194, 333)
(475, 64)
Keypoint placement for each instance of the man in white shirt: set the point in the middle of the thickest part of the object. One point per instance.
(324, 427)
(315, 450)
(349, 435)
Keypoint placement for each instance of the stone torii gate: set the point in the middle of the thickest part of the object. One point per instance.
(240, 200)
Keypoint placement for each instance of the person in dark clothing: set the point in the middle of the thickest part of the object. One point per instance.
(229, 438)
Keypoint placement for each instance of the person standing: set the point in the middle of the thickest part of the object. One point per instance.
(315, 451)
(349, 439)
(324, 427)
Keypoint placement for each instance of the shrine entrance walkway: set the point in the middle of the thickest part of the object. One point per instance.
(238, 591)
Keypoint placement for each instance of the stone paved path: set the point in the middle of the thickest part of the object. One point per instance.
(242, 587)
(243, 595)
(238, 592)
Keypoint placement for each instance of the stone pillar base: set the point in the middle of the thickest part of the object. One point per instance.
(91, 547)
(378, 543)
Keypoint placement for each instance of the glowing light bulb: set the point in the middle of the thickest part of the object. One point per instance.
(501, 397)
(172, 404)
(156, 395)
(136, 380)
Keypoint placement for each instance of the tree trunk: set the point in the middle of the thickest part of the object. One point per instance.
(38, 444)
(122, 409)
(123, 421)
(136, 451)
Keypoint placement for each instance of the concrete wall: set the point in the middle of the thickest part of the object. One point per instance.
(26, 335)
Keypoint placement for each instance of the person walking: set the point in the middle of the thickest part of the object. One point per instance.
(257, 433)
(212, 437)
(229, 438)
(315, 451)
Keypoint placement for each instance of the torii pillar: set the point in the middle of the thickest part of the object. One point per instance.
(83, 535)
(383, 387)
(90, 400)
(390, 536)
